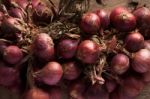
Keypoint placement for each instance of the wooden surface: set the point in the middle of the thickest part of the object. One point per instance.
(110, 4)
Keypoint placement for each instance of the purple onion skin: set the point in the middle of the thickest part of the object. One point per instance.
(35, 2)
(104, 17)
(36, 93)
(143, 20)
(147, 44)
(110, 85)
(119, 94)
(96, 92)
(134, 42)
(71, 70)
(132, 86)
(43, 47)
(77, 90)
(88, 52)
(143, 16)
(117, 11)
(90, 23)
(12, 54)
(17, 13)
(51, 74)
(22, 3)
(56, 93)
(140, 61)
(67, 48)
(41, 14)
(8, 75)
(123, 20)
(11, 25)
(120, 63)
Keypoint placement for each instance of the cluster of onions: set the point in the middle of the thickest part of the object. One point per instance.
(107, 59)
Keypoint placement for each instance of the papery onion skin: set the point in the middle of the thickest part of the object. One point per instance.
(11, 25)
(88, 52)
(71, 70)
(143, 20)
(23, 3)
(36, 93)
(8, 75)
(56, 93)
(50, 74)
(12, 54)
(17, 13)
(110, 85)
(41, 14)
(132, 86)
(120, 63)
(90, 23)
(77, 90)
(67, 48)
(147, 44)
(119, 94)
(143, 16)
(104, 17)
(122, 19)
(140, 61)
(134, 42)
(96, 91)
(146, 77)
(43, 47)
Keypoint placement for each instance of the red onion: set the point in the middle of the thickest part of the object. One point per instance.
(71, 70)
(104, 17)
(110, 85)
(36, 93)
(134, 42)
(22, 3)
(76, 90)
(12, 54)
(132, 86)
(43, 47)
(147, 44)
(146, 77)
(12, 25)
(88, 52)
(56, 93)
(35, 2)
(143, 20)
(67, 48)
(117, 11)
(3, 45)
(17, 13)
(8, 75)
(120, 63)
(96, 92)
(140, 61)
(119, 94)
(41, 14)
(122, 20)
(51, 73)
(90, 23)
(143, 16)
